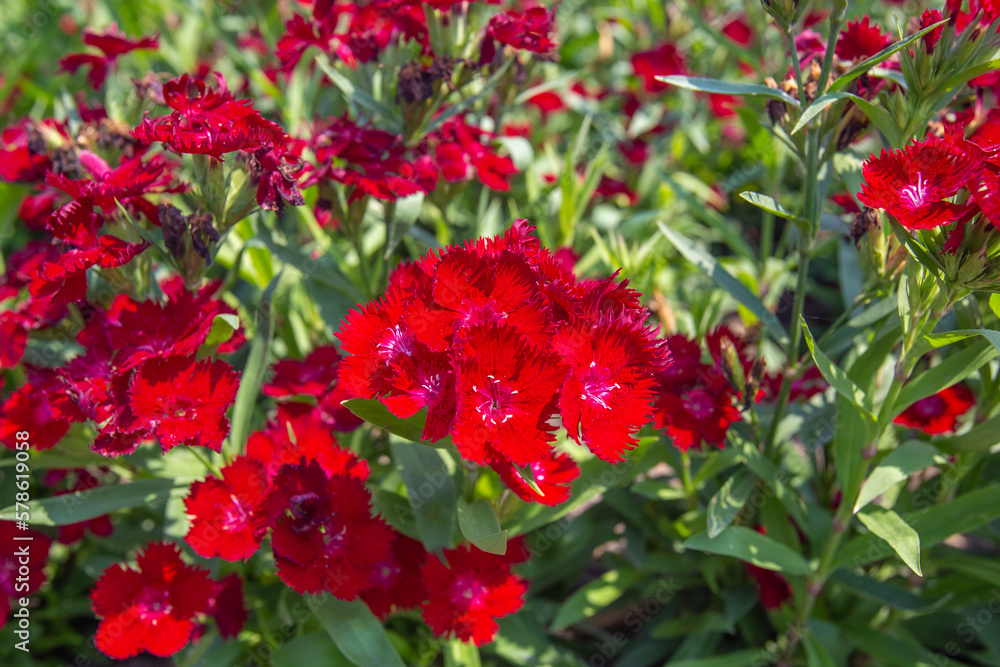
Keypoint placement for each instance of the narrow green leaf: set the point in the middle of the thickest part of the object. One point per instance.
(881, 119)
(816, 653)
(977, 439)
(742, 657)
(303, 650)
(729, 500)
(948, 337)
(897, 533)
(895, 652)
(728, 88)
(953, 370)
(223, 328)
(750, 546)
(253, 373)
(736, 289)
(908, 458)
(376, 414)
(467, 103)
(83, 505)
(358, 97)
(431, 490)
(356, 632)
(896, 596)
(834, 374)
(479, 524)
(461, 654)
(817, 107)
(768, 204)
(593, 597)
(844, 79)
(995, 304)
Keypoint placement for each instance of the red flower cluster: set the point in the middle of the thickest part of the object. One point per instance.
(695, 402)
(154, 606)
(495, 339)
(138, 378)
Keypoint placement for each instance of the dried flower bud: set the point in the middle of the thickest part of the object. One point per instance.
(776, 110)
(174, 225)
(863, 221)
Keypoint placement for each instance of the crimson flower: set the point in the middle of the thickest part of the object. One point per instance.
(152, 607)
(183, 402)
(227, 520)
(914, 183)
(467, 596)
(773, 588)
(938, 413)
(323, 534)
(290, 439)
(929, 18)
(12, 551)
(112, 43)
(860, 40)
(397, 582)
(530, 30)
(227, 606)
(664, 60)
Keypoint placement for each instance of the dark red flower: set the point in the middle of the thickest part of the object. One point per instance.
(40, 408)
(739, 31)
(397, 582)
(183, 402)
(938, 413)
(427, 381)
(552, 474)
(13, 543)
(860, 40)
(312, 376)
(507, 392)
(914, 183)
(701, 413)
(324, 536)
(290, 439)
(227, 520)
(227, 606)
(152, 607)
(374, 337)
(467, 596)
(929, 18)
(530, 30)
(774, 588)
(112, 43)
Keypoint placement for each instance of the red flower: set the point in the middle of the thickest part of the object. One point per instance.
(530, 30)
(374, 338)
(311, 376)
(664, 60)
(207, 121)
(697, 414)
(324, 537)
(929, 18)
(467, 596)
(74, 532)
(112, 43)
(552, 474)
(426, 381)
(914, 183)
(227, 518)
(39, 408)
(288, 440)
(12, 581)
(938, 413)
(131, 179)
(506, 392)
(774, 588)
(860, 40)
(739, 31)
(607, 394)
(397, 582)
(150, 608)
(183, 402)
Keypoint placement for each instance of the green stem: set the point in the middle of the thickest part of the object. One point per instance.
(836, 20)
(796, 66)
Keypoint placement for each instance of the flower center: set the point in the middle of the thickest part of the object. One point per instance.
(431, 386)
(153, 604)
(597, 385)
(699, 404)
(495, 401)
(468, 591)
(932, 406)
(236, 515)
(915, 195)
(396, 342)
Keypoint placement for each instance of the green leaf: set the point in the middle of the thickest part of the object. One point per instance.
(834, 374)
(817, 107)
(951, 371)
(898, 597)
(743, 657)
(965, 513)
(83, 505)
(223, 328)
(896, 652)
(750, 546)
(948, 337)
(593, 597)
(768, 204)
(461, 654)
(479, 524)
(980, 437)
(729, 500)
(736, 289)
(995, 304)
(727, 88)
(253, 373)
(358, 97)
(356, 632)
(908, 458)
(431, 490)
(897, 533)
(375, 413)
(816, 653)
(305, 649)
(844, 79)
(467, 103)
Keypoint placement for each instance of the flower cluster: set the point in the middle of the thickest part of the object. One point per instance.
(495, 339)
